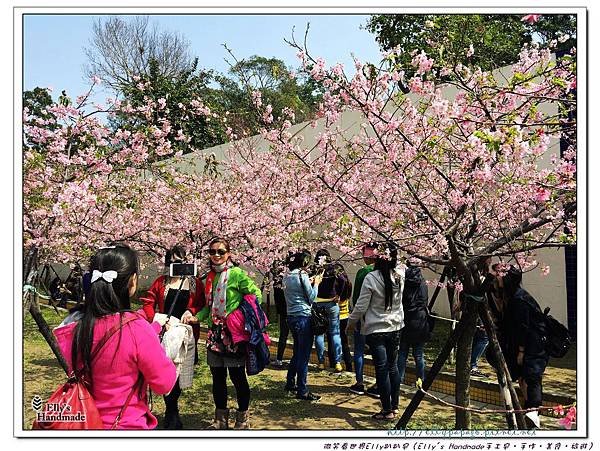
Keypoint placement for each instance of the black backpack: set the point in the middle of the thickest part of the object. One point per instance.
(558, 340)
(555, 336)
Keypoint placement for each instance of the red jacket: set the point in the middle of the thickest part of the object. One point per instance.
(155, 300)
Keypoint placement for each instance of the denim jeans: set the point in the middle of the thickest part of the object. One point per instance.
(333, 311)
(359, 353)
(298, 367)
(417, 352)
(480, 342)
(384, 349)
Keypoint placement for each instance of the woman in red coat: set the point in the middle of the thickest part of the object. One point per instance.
(190, 301)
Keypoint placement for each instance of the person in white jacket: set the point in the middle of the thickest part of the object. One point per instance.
(379, 308)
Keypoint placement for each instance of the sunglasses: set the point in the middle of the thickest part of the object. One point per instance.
(219, 252)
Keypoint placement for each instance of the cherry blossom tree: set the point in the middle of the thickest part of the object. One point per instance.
(453, 180)
(86, 184)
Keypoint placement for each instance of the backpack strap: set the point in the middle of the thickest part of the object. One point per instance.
(135, 387)
(113, 330)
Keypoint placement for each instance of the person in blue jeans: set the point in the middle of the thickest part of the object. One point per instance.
(335, 286)
(416, 330)
(299, 296)
(379, 306)
(368, 253)
(480, 342)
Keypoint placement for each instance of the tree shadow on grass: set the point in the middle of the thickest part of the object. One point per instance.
(270, 401)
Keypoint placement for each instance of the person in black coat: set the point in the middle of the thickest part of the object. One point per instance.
(525, 339)
(416, 331)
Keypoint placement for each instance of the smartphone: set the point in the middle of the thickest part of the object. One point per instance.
(183, 269)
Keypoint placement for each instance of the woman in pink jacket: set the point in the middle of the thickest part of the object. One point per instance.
(130, 355)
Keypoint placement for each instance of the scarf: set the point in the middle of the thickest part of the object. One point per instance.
(217, 298)
(218, 338)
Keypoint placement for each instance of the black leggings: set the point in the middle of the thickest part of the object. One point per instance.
(240, 382)
(284, 331)
(345, 347)
(173, 397)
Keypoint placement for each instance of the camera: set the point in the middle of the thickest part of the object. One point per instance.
(183, 269)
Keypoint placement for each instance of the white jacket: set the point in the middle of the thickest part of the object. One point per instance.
(370, 305)
(179, 344)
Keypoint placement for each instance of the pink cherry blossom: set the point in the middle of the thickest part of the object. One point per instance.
(531, 18)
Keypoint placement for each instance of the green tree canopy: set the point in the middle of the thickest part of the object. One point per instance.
(172, 94)
(497, 39)
(278, 86)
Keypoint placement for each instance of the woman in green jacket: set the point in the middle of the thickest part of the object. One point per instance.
(225, 287)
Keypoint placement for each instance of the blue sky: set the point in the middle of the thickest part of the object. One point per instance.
(53, 45)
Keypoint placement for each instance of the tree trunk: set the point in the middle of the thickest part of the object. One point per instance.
(463, 365)
(433, 372)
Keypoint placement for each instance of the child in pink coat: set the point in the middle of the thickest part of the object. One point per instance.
(132, 351)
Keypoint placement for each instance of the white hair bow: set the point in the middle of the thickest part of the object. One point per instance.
(109, 276)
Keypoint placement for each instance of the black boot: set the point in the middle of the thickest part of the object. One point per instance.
(169, 419)
(172, 418)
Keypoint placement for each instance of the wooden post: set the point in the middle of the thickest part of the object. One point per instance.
(431, 375)
(504, 376)
(34, 309)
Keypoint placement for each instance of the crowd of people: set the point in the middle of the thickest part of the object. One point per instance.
(386, 309)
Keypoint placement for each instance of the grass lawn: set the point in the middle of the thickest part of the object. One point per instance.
(270, 409)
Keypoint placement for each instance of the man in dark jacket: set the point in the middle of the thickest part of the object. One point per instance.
(416, 331)
(526, 340)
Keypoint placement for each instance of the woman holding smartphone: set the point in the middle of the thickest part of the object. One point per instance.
(163, 297)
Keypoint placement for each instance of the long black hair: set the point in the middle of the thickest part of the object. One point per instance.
(297, 260)
(176, 254)
(385, 263)
(104, 299)
(511, 282)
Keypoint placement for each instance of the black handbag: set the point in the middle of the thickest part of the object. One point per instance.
(319, 319)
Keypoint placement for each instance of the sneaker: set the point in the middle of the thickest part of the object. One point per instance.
(290, 390)
(383, 416)
(532, 420)
(373, 391)
(308, 397)
(358, 388)
(475, 372)
(338, 368)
